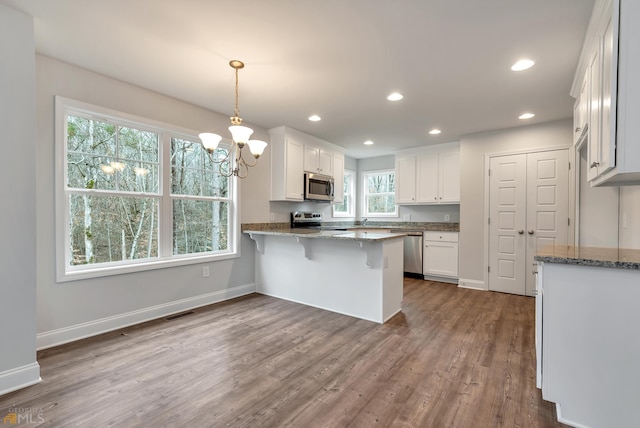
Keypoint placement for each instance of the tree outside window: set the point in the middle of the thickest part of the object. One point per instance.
(122, 178)
(379, 194)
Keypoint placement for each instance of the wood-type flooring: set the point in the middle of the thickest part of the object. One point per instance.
(452, 358)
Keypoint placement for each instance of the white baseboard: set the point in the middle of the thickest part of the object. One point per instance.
(20, 377)
(472, 284)
(72, 333)
(566, 421)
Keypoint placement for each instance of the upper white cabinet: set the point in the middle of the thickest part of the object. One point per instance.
(318, 160)
(294, 152)
(609, 62)
(581, 109)
(428, 176)
(287, 175)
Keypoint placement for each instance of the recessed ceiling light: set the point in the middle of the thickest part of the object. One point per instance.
(523, 64)
(395, 96)
(525, 116)
(435, 131)
(315, 118)
(368, 143)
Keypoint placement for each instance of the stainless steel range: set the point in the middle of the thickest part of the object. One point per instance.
(311, 220)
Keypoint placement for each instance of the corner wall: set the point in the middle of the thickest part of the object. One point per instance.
(72, 310)
(18, 366)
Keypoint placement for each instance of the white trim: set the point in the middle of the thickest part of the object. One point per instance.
(487, 164)
(472, 284)
(19, 377)
(165, 131)
(351, 207)
(72, 333)
(364, 193)
(567, 421)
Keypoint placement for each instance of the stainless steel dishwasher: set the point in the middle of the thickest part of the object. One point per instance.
(413, 252)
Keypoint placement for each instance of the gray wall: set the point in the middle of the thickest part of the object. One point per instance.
(473, 149)
(18, 365)
(73, 309)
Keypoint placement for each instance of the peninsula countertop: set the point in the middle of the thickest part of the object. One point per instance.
(618, 258)
(327, 234)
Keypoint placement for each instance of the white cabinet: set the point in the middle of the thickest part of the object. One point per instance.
(287, 175)
(294, 152)
(338, 178)
(586, 342)
(581, 109)
(429, 176)
(405, 179)
(440, 256)
(611, 58)
(318, 160)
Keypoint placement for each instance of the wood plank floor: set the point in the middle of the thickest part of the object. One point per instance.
(451, 358)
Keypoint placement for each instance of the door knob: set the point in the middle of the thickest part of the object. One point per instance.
(530, 232)
(594, 164)
(521, 231)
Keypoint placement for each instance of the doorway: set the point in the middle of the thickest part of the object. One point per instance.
(528, 210)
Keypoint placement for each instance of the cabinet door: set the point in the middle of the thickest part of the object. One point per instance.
(338, 178)
(449, 179)
(440, 258)
(607, 126)
(325, 162)
(311, 159)
(405, 180)
(294, 181)
(583, 109)
(593, 150)
(427, 178)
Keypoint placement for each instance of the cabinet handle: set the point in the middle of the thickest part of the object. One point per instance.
(594, 164)
(521, 232)
(578, 129)
(530, 232)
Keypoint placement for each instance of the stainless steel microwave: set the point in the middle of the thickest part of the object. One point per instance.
(318, 187)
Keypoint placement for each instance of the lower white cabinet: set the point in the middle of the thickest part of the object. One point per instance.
(440, 256)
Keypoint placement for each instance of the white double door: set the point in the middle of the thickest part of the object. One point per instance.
(528, 210)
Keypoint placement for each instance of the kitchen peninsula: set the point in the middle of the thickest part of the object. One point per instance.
(350, 272)
(587, 341)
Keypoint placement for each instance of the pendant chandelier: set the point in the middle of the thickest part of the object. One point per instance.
(239, 139)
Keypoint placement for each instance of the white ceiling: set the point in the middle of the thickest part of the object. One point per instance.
(335, 58)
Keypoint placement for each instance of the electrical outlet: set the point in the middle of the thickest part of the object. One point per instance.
(406, 217)
(447, 217)
(205, 271)
(272, 216)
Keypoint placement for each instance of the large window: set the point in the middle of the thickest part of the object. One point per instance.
(379, 194)
(347, 207)
(133, 194)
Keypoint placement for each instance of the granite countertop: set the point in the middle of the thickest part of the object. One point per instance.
(619, 258)
(327, 234)
(400, 226)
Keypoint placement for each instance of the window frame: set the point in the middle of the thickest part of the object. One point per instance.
(365, 193)
(351, 191)
(64, 270)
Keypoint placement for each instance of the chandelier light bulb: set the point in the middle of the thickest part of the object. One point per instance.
(256, 147)
(210, 141)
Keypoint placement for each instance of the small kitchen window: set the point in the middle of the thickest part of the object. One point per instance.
(379, 198)
(347, 207)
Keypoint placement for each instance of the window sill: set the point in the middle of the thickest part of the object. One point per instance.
(134, 267)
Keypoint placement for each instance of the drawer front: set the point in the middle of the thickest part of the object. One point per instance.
(441, 236)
